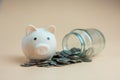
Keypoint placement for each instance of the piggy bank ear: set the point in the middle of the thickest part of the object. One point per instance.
(51, 29)
(30, 29)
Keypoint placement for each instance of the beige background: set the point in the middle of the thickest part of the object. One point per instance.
(66, 15)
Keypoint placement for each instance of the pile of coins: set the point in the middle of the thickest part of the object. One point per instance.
(64, 57)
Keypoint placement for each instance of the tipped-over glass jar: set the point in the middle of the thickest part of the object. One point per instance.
(89, 41)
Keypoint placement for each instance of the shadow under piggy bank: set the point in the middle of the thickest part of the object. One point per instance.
(17, 59)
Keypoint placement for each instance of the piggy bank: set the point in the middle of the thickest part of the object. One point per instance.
(39, 43)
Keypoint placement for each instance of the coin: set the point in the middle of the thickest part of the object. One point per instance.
(61, 58)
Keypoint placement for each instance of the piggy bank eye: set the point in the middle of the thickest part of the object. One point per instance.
(35, 38)
(48, 38)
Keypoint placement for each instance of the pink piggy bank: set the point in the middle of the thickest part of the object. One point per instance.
(39, 43)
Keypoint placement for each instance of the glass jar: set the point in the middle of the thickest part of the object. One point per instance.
(89, 41)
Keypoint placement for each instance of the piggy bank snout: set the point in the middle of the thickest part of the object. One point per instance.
(42, 48)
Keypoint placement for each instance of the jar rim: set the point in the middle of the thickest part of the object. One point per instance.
(64, 42)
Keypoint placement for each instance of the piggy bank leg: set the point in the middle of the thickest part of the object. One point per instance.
(50, 58)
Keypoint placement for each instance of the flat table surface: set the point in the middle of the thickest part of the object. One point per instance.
(66, 15)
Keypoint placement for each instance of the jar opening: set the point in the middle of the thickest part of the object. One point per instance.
(73, 40)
